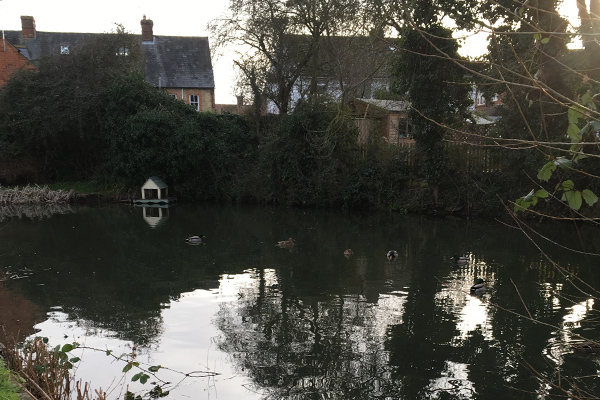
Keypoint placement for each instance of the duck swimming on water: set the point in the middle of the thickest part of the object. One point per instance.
(478, 287)
(459, 259)
(195, 239)
(286, 244)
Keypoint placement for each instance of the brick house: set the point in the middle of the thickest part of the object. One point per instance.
(11, 59)
(181, 65)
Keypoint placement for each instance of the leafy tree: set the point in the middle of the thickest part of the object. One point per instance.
(149, 133)
(308, 157)
(438, 100)
(53, 115)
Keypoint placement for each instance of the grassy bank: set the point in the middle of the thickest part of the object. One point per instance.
(8, 389)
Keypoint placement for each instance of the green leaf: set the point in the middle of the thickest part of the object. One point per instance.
(45, 340)
(546, 171)
(589, 197)
(529, 196)
(74, 359)
(521, 205)
(586, 99)
(567, 185)
(127, 367)
(545, 40)
(563, 162)
(154, 368)
(136, 377)
(67, 348)
(574, 114)
(574, 199)
(144, 379)
(574, 133)
(537, 36)
(541, 194)
(108, 352)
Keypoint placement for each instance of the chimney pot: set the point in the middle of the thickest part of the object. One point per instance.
(27, 27)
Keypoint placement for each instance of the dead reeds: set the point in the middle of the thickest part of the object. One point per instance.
(46, 372)
(35, 195)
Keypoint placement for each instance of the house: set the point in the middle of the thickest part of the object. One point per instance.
(11, 59)
(181, 65)
(342, 67)
(386, 117)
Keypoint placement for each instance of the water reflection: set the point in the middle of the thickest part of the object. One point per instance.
(156, 214)
(311, 322)
(33, 211)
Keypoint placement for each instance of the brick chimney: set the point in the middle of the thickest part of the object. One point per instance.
(147, 33)
(27, 27)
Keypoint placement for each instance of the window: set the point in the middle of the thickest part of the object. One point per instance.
(174, 96)
(480, 99)
(195, 101)
(123, 51)
(64, 49)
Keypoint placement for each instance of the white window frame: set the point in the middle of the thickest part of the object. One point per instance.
(480, 99)
(195, 101)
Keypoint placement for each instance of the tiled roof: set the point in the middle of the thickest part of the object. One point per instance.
(388, 105)
(171, 61)
(179, 61)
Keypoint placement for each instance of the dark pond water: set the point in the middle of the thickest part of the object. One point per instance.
(308, 322)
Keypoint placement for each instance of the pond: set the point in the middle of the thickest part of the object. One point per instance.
(244, 318)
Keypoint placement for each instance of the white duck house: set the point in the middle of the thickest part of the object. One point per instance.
(154, 191)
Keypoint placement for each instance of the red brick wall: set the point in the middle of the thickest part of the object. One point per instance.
(10, 60)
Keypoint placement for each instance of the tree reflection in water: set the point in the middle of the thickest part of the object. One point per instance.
(313, 323)
(310, 347)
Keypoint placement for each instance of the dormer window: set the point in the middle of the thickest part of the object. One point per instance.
(64, 49)
(123, 51)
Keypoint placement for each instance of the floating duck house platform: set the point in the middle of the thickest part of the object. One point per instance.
(155, 191)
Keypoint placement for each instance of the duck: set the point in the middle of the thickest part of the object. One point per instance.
(392, 255)
(459, 259)
(195, 239)
(478, 287)
(348, 252)
(286, 243)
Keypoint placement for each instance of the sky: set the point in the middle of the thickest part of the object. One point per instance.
(170, 17)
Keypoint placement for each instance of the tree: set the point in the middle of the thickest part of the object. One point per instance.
(274, 55)
(438, 100)
(53, 115)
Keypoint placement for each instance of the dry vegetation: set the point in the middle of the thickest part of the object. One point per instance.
(46, 373)
(35, 194)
